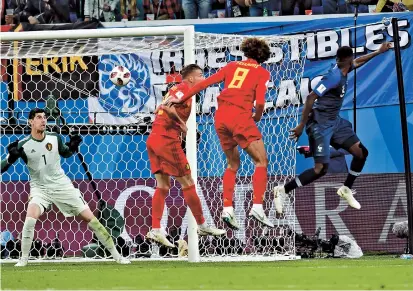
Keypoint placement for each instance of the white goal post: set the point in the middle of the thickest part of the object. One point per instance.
(286, 64)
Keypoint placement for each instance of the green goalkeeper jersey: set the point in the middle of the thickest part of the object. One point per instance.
(43, 161)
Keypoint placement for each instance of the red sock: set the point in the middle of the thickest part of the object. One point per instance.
(192, 199)
(158, 202)
(259, 183)
(228, 185)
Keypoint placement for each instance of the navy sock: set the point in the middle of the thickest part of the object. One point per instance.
(356, 167)
(303, 179)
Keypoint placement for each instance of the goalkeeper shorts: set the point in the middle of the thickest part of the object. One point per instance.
(69, 200)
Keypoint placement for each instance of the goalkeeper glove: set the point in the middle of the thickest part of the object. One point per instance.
(74, 142)
(14, 152)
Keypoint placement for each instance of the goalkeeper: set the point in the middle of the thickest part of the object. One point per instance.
(41, 152)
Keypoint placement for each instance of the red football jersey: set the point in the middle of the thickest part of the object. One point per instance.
(245, 82)
(163, 124)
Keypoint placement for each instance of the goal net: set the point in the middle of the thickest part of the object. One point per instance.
(68, 74)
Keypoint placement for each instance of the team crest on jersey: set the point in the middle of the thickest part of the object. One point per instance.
(49, 146)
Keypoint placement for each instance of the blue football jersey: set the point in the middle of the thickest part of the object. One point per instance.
(330, 90)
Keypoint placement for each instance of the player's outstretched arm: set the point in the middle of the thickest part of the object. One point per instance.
(14, 154)
(364, 59)
(215, 78)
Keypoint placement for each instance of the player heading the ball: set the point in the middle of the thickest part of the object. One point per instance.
(41, 151)
(167, 157)
(325, 127)
(245, 82)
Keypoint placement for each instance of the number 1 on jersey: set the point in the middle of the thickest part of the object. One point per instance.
(44, 158)
(239, 77)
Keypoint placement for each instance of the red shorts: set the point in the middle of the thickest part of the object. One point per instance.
(235, 128)
(166, 156)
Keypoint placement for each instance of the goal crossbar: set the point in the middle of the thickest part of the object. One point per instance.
(96, 33)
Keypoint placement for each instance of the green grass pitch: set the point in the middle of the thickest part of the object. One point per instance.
(368, 273)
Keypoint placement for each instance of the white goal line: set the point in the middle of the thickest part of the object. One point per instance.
(245, 258)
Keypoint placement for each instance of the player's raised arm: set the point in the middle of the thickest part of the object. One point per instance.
(364, 59)
(215, 78)
(14, 154)
(72, 146)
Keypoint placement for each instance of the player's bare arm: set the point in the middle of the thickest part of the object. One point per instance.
(260, 99)
(364, 59)
(259, 109)
(174, 115)
(215, 78)
(296, 132)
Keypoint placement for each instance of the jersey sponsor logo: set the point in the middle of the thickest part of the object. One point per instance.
(126, 100)
(321, 89)
(49, 146)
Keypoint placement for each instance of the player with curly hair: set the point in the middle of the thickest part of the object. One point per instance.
(245, 82)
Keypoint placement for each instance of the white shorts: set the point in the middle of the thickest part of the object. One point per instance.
(69, 200)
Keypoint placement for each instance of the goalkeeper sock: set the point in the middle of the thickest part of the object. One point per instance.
(228, 185)
(158, 204)
(355, 169)
(259, 183)
(27, 236)
(104, 237)
(192, 199)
